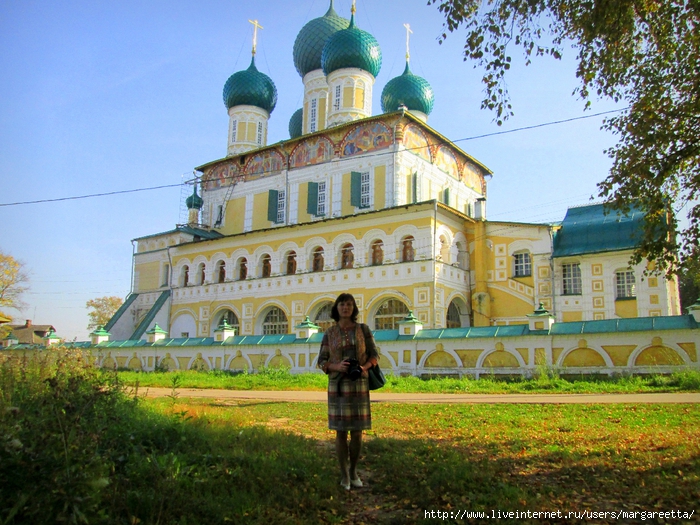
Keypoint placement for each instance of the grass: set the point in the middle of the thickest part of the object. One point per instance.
(75, 448)
(282, 379)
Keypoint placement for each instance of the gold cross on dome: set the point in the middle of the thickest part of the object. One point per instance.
(256, 25)
(408, 32)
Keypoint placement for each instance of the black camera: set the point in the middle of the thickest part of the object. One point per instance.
(354, 369)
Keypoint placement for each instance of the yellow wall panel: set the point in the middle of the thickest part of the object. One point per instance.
(619, 354)
(149, 276)
(572, 317)
(252, 132)
(583, 357)
(302, 215)
(469, 357)
(626, 309)
(500, 360)
(440, 359)
(260, 212)
(379, 186)
(359, 98)
(321, 114)
(348, 93)
(235, 216)
(690, 350)
(658, 356)
(241, 134)
(347, 208)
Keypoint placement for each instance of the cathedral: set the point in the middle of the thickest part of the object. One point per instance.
(381, 206)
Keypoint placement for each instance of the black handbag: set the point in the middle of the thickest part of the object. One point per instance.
(376, 378)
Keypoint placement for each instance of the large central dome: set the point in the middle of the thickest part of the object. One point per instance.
(352, 47)
(313, 36)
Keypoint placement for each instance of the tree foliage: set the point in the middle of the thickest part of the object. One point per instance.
(101, 310)
(13, 279)
(642, 53)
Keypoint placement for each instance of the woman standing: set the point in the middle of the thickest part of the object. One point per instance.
(348, 395)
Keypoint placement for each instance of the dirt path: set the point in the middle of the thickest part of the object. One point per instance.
(379, 397)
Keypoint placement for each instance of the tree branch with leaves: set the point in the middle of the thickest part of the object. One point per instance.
(642, 53)
(13, 279)
(101, 310)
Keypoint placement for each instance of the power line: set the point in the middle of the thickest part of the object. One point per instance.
(378, 154)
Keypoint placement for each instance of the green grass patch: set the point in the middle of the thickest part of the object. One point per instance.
(75, 448)
(545, 382)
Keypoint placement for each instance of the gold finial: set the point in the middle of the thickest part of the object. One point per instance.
(353, 10)
(408, 32)
(256, 25)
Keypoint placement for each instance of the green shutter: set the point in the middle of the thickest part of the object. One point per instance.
(312, 203)
(447, 196)
(414, 184)
(272, 196)
(356, 188)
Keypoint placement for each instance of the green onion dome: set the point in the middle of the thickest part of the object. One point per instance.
(194, 201)
(250, 88)
(352, 47)
(310, 41)
(408, 90)
(295, 124)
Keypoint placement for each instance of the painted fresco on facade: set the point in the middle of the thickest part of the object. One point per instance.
(219, 176)
(446, 161)
(367, 137)
(415, 142)
(312, 151)
(472, 178)
(264, 164)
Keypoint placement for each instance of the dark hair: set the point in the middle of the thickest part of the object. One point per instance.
(341, 299)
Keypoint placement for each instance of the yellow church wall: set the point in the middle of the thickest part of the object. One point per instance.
(626, 308)
(440, 359)
(359, 98)
(619, 354)
(691, 350)
(303, 199)
(234, 220)
(658, 355)
(321, 114)
(504, 304)
(469, 357)
(379, 186)
(347, 208)
(583, 357)
(348, 93)
(148, 276)
(260, 202)
(572, 316)
(500, 359)
(280, 361)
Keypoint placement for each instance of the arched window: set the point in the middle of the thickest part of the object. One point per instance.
(444, 254)
(323, 317)
(347, 257)
(185, 276)
(377, 253)
(317, 262)
(291, 263)
(242, 269)
(454, 318)
(201, 269)
(389, 314)
(275, 322)
(230, 317)
(265, 266)
(408, 253)
(221, 271)
(522, 264)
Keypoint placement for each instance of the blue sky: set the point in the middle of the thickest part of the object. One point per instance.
(103, 97)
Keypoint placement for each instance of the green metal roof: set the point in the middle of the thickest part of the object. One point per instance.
(309, 43)
(596, 229)
(123, 308)
(408, 90)
(352, 47)
(250, 88)
(141, 328)
(295, 124)
(638, 324)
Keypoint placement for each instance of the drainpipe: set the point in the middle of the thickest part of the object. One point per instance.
(432, 248)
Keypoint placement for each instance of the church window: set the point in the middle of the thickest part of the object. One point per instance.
(221, 271)
(185, 276)
(625, 287)
(571, 279)
(360, 186)
(276, 206)
(201, 273)
(242, 269)
(260, 133)
(265, 266)
(389, 314)
(230, 317)
(347, 258)
(166, 275)
(275, 322)
(219, 215)
(377, 253)
(321, 207)
(317, 264)
(408, 252)
(234, 130)
(522, 264)
(291, 263)
(454, 318)
(336, 100)
(312, 115)
(323, 318)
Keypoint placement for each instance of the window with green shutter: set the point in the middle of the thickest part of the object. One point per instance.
(312, 202)
(360, 189)
(272, 197)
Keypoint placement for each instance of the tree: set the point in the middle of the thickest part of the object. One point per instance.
(689, 284)
(12, 282)
(103, 308)
(644, 53)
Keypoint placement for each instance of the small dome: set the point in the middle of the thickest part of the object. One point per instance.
(250, 88)
(313, 36)
(408, 90)
(295, 124)
(352, 47)
(194, 201)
